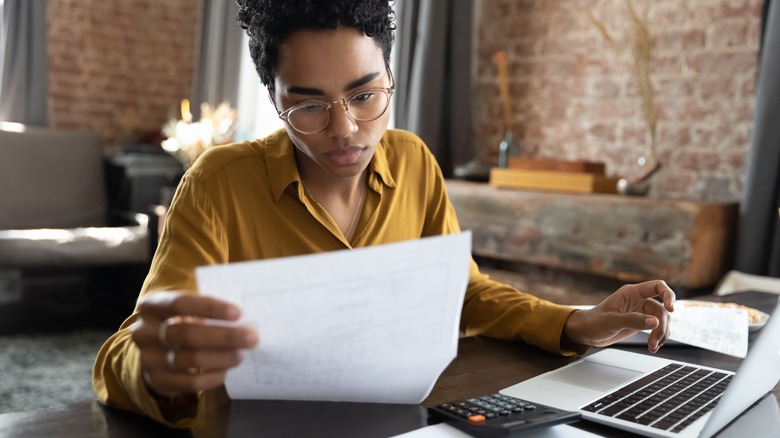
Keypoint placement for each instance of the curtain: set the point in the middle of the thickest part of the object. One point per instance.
(24, 77)
(433, 76)
(219, 55)
(758, 244)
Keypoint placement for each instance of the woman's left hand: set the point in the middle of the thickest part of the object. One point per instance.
(631, 308)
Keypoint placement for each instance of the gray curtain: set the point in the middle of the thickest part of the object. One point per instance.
(433, 76)
(758, 245)
(24, 77)
(219, 55)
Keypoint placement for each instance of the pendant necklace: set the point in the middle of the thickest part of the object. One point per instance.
(354, 215)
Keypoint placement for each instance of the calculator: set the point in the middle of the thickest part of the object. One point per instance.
(499, 415)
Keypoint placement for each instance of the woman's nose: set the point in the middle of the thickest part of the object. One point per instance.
(341, 122)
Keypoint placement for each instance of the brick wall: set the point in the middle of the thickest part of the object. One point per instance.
(119, 66)
(574, 97)
(127, 63)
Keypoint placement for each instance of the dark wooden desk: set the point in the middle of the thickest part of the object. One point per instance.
(482, 366)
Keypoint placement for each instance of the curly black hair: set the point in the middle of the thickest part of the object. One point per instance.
(269, 22)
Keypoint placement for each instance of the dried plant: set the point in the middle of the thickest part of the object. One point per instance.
(641, 43)
(499, 58)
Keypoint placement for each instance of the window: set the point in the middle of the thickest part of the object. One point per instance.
(256, 114)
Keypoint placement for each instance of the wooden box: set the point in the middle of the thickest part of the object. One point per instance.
(553, 180)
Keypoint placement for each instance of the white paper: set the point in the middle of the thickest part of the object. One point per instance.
(444, 430)
(376, 324)
(720, 329)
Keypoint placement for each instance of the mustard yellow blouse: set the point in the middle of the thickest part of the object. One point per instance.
(245, 202)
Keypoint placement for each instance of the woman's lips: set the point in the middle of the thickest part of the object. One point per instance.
(345, 157)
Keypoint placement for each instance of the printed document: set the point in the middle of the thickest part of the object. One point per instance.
(376, 324)
(724, 330)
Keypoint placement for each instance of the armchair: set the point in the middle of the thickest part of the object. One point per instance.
(56, 233)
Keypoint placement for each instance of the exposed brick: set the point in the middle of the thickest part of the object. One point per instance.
(703, 81)
(719, 10)
(708, 134)
(520, 88)
(717, 187)
(573, 96)
(668, 134)
(722, 63)
(695, 159)
(633, 133)
(107, 56)
(728, 34)
(667, 13)
(754, 33)
(748, 87)
(717, 86)
(604, 88)
(600, 63)
(603, 132)
(522, 48)
(671, 41)
(621, 109)
(693, 39)
(673, 87)
(671, 64)
(675, 182)
(736, 159)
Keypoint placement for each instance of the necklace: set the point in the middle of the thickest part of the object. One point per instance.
(352, 223)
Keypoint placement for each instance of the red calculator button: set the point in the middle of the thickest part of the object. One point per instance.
(477, 418)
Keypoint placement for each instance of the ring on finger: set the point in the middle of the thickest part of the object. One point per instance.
(170, 359)
(162, 333)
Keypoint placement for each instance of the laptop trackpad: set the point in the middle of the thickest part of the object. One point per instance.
(592, 375)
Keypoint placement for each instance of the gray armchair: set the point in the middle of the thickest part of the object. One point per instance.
(55, 227)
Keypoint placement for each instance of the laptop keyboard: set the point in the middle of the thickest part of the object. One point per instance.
(669, 399)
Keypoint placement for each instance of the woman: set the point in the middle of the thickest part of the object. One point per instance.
(334, 178)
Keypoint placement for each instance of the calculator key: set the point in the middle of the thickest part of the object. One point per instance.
(498, 415)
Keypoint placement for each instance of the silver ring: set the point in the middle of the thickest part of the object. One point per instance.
(170, 359)
(162, 333)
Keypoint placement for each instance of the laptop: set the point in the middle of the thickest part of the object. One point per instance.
(658, 397)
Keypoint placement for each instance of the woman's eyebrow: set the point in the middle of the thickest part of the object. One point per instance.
(305, 90)
(309, 91)
(362, 81)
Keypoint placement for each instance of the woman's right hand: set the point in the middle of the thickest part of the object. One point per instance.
(188, 341)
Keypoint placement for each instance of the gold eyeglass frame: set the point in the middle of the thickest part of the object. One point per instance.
(344, 101)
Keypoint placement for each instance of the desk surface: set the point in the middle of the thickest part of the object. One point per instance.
(482, 366)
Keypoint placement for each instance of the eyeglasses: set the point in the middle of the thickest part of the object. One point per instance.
(313, 116)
